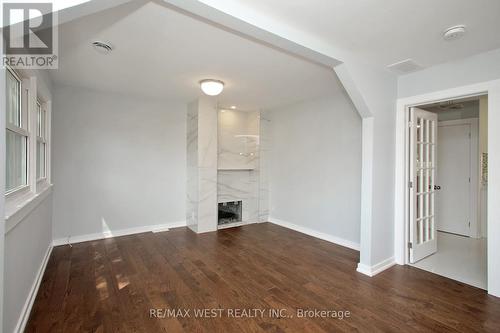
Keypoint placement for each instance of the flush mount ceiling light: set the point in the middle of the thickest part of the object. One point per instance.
(454, 32)
(102, 47)
(211, 87)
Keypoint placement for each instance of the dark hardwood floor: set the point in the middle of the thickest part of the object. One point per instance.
(112, 285)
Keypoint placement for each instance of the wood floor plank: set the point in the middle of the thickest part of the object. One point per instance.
(113, 285)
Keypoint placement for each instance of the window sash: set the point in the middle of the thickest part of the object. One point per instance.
(41, 118)
(41, 159)
(14, 117)
(17, 136)
(27, 127)
(16, 171)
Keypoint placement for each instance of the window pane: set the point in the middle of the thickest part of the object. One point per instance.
(13, 97)
(16, 170)
(44, 164)
(40, 160)
(38, 120)
(38, 144)
(42, 127)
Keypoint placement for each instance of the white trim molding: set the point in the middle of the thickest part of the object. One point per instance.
(492, 89)
(25, 312)
(117, 233)
(377, 268)
(16, 209)
(329, 238)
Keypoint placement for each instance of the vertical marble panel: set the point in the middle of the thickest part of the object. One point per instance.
(238, 140)
(207, 133)
(192, 135)
(238, 176)
(201, 207)
(192, 165)
(264, 158)
(207, 200)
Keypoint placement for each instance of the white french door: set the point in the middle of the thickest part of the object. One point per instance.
(422, 186)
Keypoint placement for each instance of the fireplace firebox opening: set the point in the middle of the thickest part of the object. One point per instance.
(229, 212)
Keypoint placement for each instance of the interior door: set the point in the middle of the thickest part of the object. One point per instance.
(454, 175)
(423, 153)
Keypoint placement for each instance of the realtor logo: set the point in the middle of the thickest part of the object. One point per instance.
(30, 35)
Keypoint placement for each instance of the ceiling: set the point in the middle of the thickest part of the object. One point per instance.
(463, 104)
(161, 53)
(389, 31)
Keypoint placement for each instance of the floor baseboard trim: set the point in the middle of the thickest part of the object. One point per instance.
(25, 312)
(377, 268)
(118, 233)
(329, 238)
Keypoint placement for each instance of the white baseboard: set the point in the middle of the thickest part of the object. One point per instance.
(375, 269)
(317, 234)
(117, 233)
(26, 310)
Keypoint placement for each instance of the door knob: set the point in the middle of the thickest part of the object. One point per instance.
(437, 188)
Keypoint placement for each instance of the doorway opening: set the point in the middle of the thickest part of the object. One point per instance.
(448, 180)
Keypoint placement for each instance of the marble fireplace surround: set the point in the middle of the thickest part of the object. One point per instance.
(238, 160)
(226, 161)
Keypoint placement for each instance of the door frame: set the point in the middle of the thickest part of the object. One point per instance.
(474, 170)
(422, 193)
(492, 89)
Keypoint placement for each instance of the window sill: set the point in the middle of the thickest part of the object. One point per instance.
(18, 207)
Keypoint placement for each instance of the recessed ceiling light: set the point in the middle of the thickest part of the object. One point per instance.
(454, 32)
(102, 47)
(211, 87)
(233, 107)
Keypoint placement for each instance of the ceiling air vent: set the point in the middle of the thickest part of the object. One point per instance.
(451, 106)
(405, 66)
(102, 47)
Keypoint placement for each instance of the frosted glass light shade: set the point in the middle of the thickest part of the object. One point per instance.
(212, 87)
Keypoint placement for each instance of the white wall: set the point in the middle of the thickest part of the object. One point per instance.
(374, 91)
(25, 248)
(2, 185)
(315, 159)
(27, 243)
(478, 72)
(118, 162)
(479, 68)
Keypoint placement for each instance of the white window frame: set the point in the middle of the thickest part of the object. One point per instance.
(22, 130)
(42, 138)
(20, 201)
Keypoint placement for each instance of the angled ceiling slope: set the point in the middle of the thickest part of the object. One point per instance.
(162, 53)
(383, 32)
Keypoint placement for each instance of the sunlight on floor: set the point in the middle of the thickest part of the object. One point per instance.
(102, 288)
(105, 229)
(122, 281)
